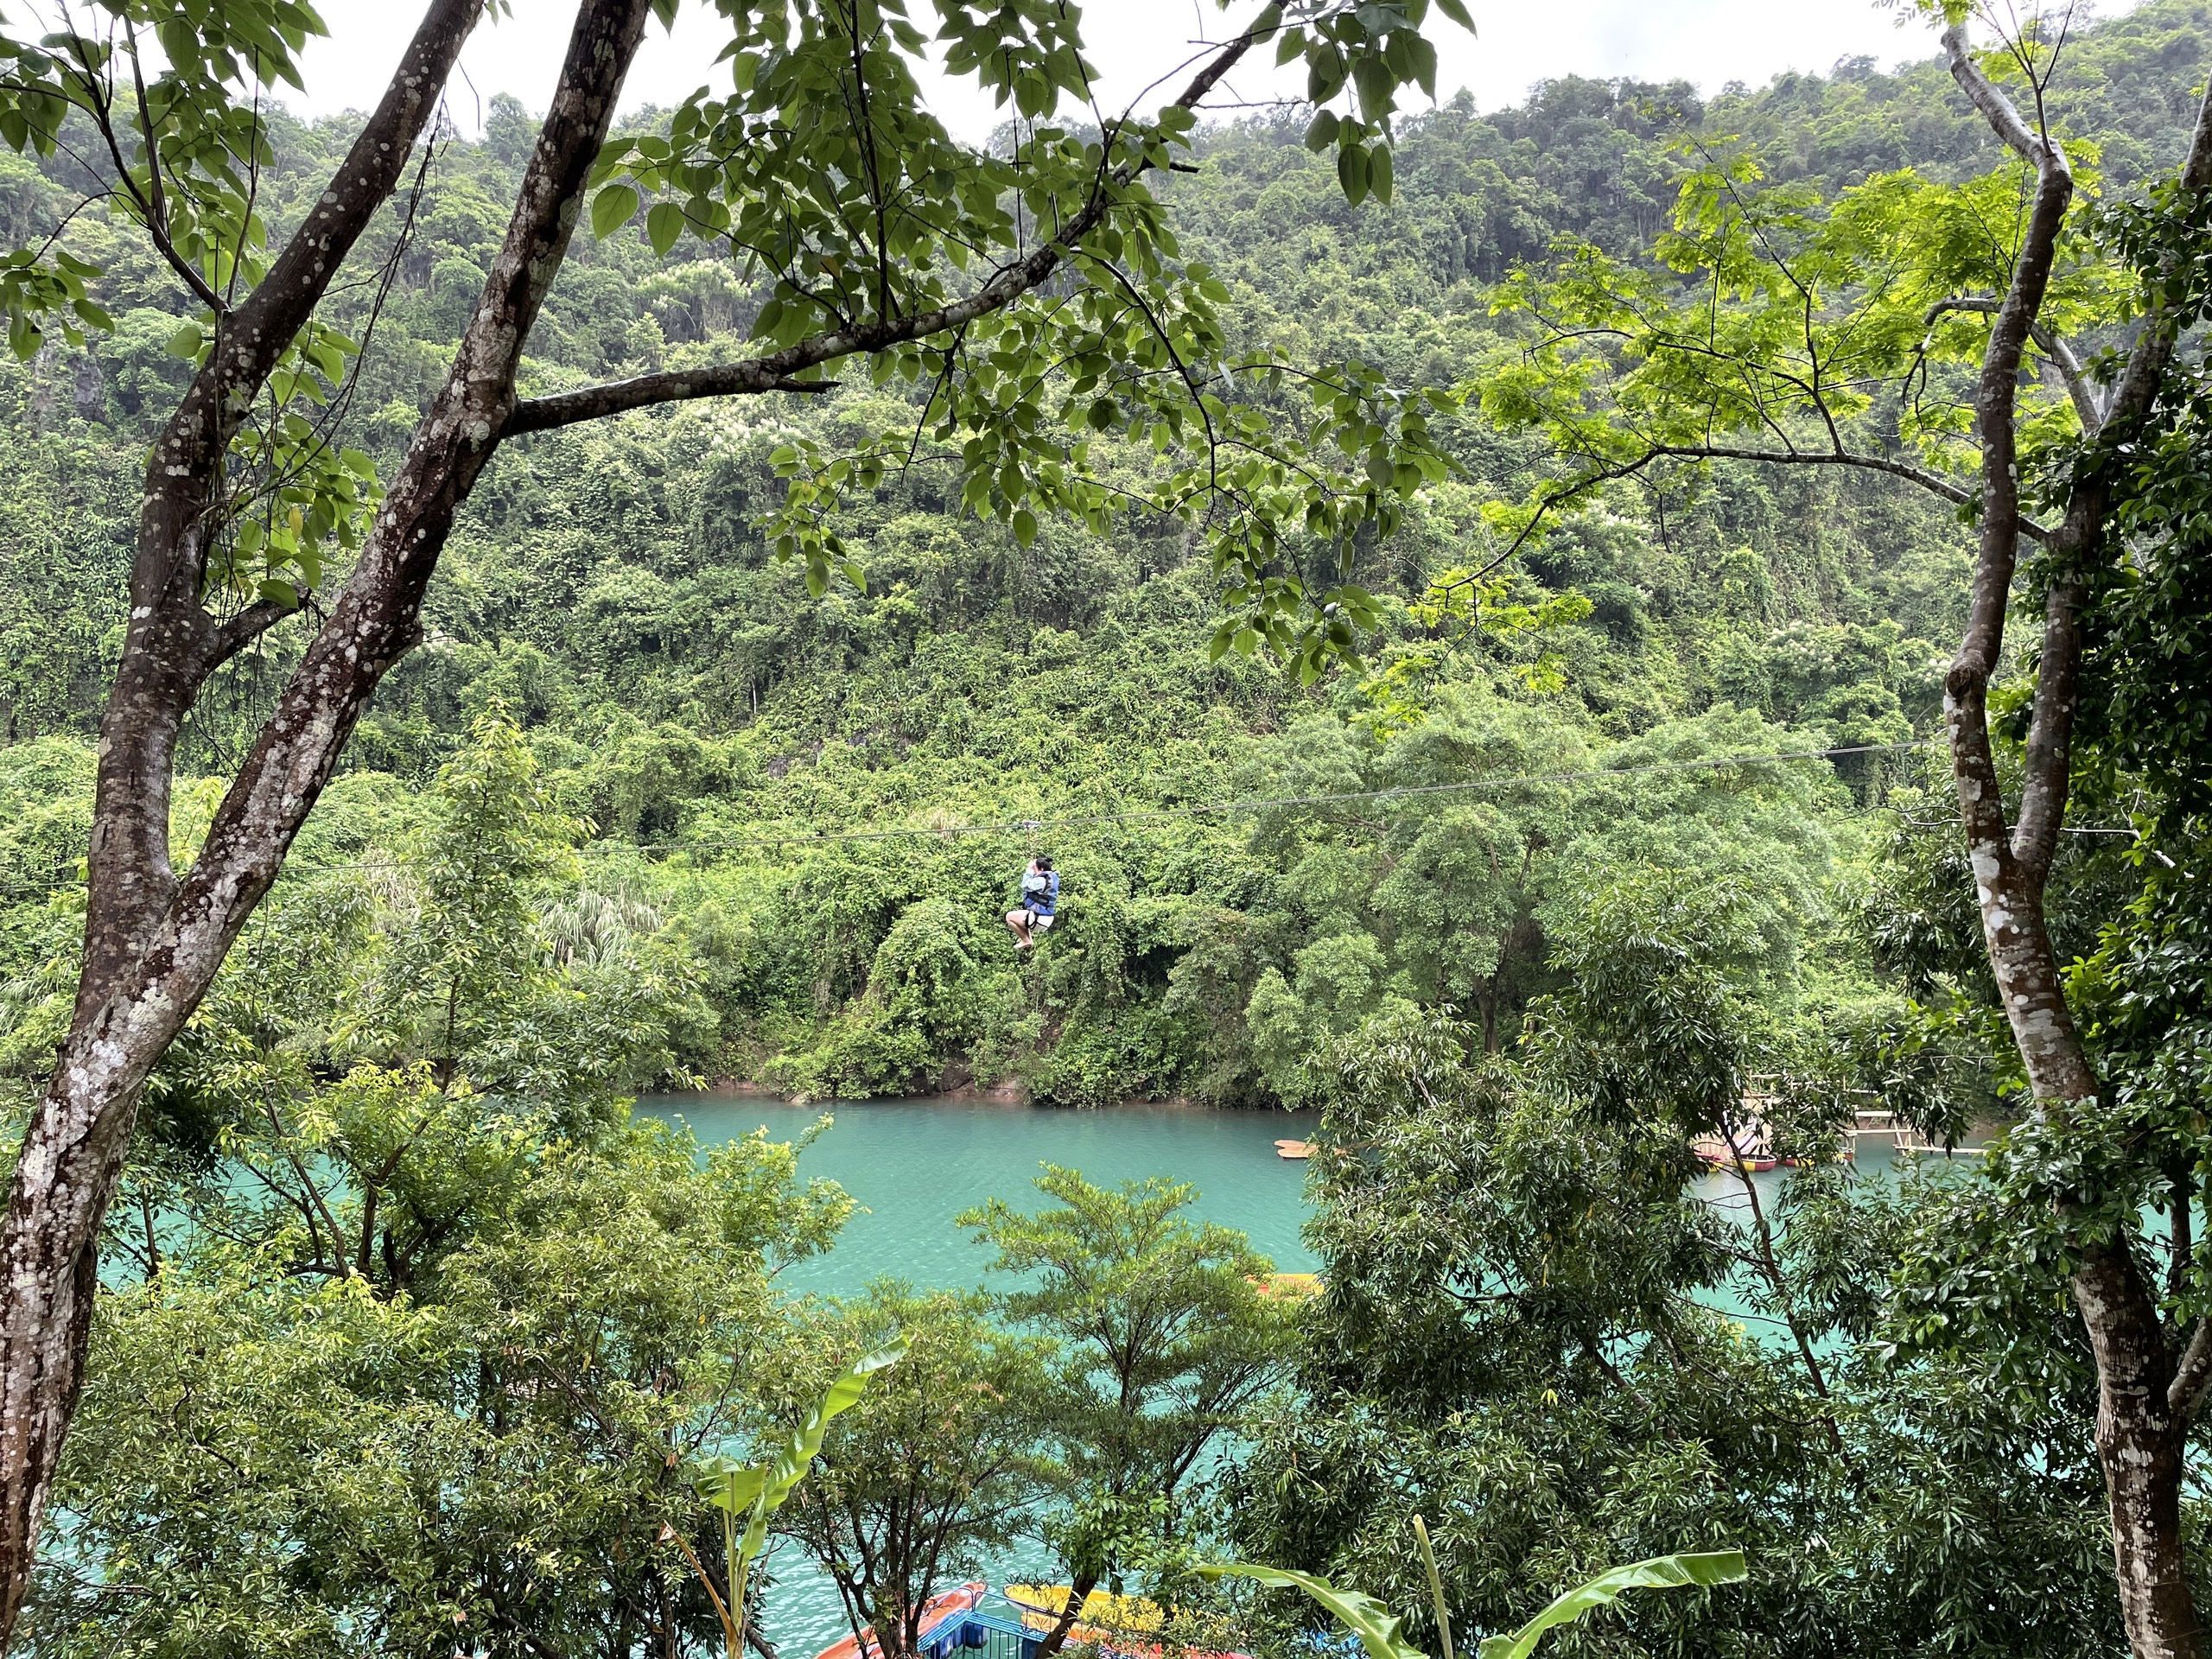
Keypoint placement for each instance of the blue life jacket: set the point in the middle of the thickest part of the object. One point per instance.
(1039, 890)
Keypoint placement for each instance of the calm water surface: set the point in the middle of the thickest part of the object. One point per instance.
(913, 1166)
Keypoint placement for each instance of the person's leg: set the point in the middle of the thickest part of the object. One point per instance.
(1017, 922)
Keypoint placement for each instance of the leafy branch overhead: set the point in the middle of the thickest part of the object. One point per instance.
(174, 108)
(1772, 326)
(1035, 296)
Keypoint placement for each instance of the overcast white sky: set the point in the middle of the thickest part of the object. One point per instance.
(1135, 41)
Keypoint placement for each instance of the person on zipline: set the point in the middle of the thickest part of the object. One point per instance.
(1040, 891)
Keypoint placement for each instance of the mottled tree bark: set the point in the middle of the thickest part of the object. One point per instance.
(153, 943)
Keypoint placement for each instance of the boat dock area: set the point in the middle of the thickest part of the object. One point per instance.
(955, 1624)
(986, 1633)
(1872, 1128)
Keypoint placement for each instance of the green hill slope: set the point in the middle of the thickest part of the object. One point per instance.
(608, 592)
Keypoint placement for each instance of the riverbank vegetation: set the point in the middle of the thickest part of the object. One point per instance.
(1561, 789)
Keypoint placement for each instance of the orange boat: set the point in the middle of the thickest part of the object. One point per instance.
(952, 1603)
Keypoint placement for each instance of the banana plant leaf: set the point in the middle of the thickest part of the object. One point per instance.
(1660, 1572)
(1380, 1630)
(730, 1486)
(805, 1443)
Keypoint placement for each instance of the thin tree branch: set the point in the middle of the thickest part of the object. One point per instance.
(2061, 356)
(2186, 1393)
(1935, 483)
(157, 224)
(647, 391)
(230, 637)
(775, 370)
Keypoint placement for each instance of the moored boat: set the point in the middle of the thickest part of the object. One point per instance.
(1119, 1627)
(1714, 1151)
(940, 1610)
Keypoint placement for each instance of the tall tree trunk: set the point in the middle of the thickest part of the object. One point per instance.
(2141, 1439)
(2142, 1414)
(153, 943)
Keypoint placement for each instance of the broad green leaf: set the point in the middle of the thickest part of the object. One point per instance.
(1352, 173)
(612, 208)
(1660, 1572)
(1379, 1630)
(664, 225)
(805, 1443)
(734, 1489)
(1457, 11)
(186, 342)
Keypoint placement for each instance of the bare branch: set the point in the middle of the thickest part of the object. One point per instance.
(1934, 483)
(232, 636)
(2061, 356)
(671, 386)
(2086, 404)
(1996, 108)
(2186, 1393)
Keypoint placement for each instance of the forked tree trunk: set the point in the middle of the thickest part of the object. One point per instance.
(153, 944)
(2145, 1386)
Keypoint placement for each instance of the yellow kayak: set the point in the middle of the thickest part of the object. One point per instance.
(1042, 1604)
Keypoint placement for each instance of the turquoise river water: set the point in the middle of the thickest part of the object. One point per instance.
(913, 1166)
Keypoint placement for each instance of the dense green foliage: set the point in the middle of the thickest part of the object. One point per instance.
(610, 587)
(409, 1324)
(1544, 1335)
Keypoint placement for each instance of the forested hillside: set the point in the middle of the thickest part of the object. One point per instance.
(1575, 790)
(611, 593)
